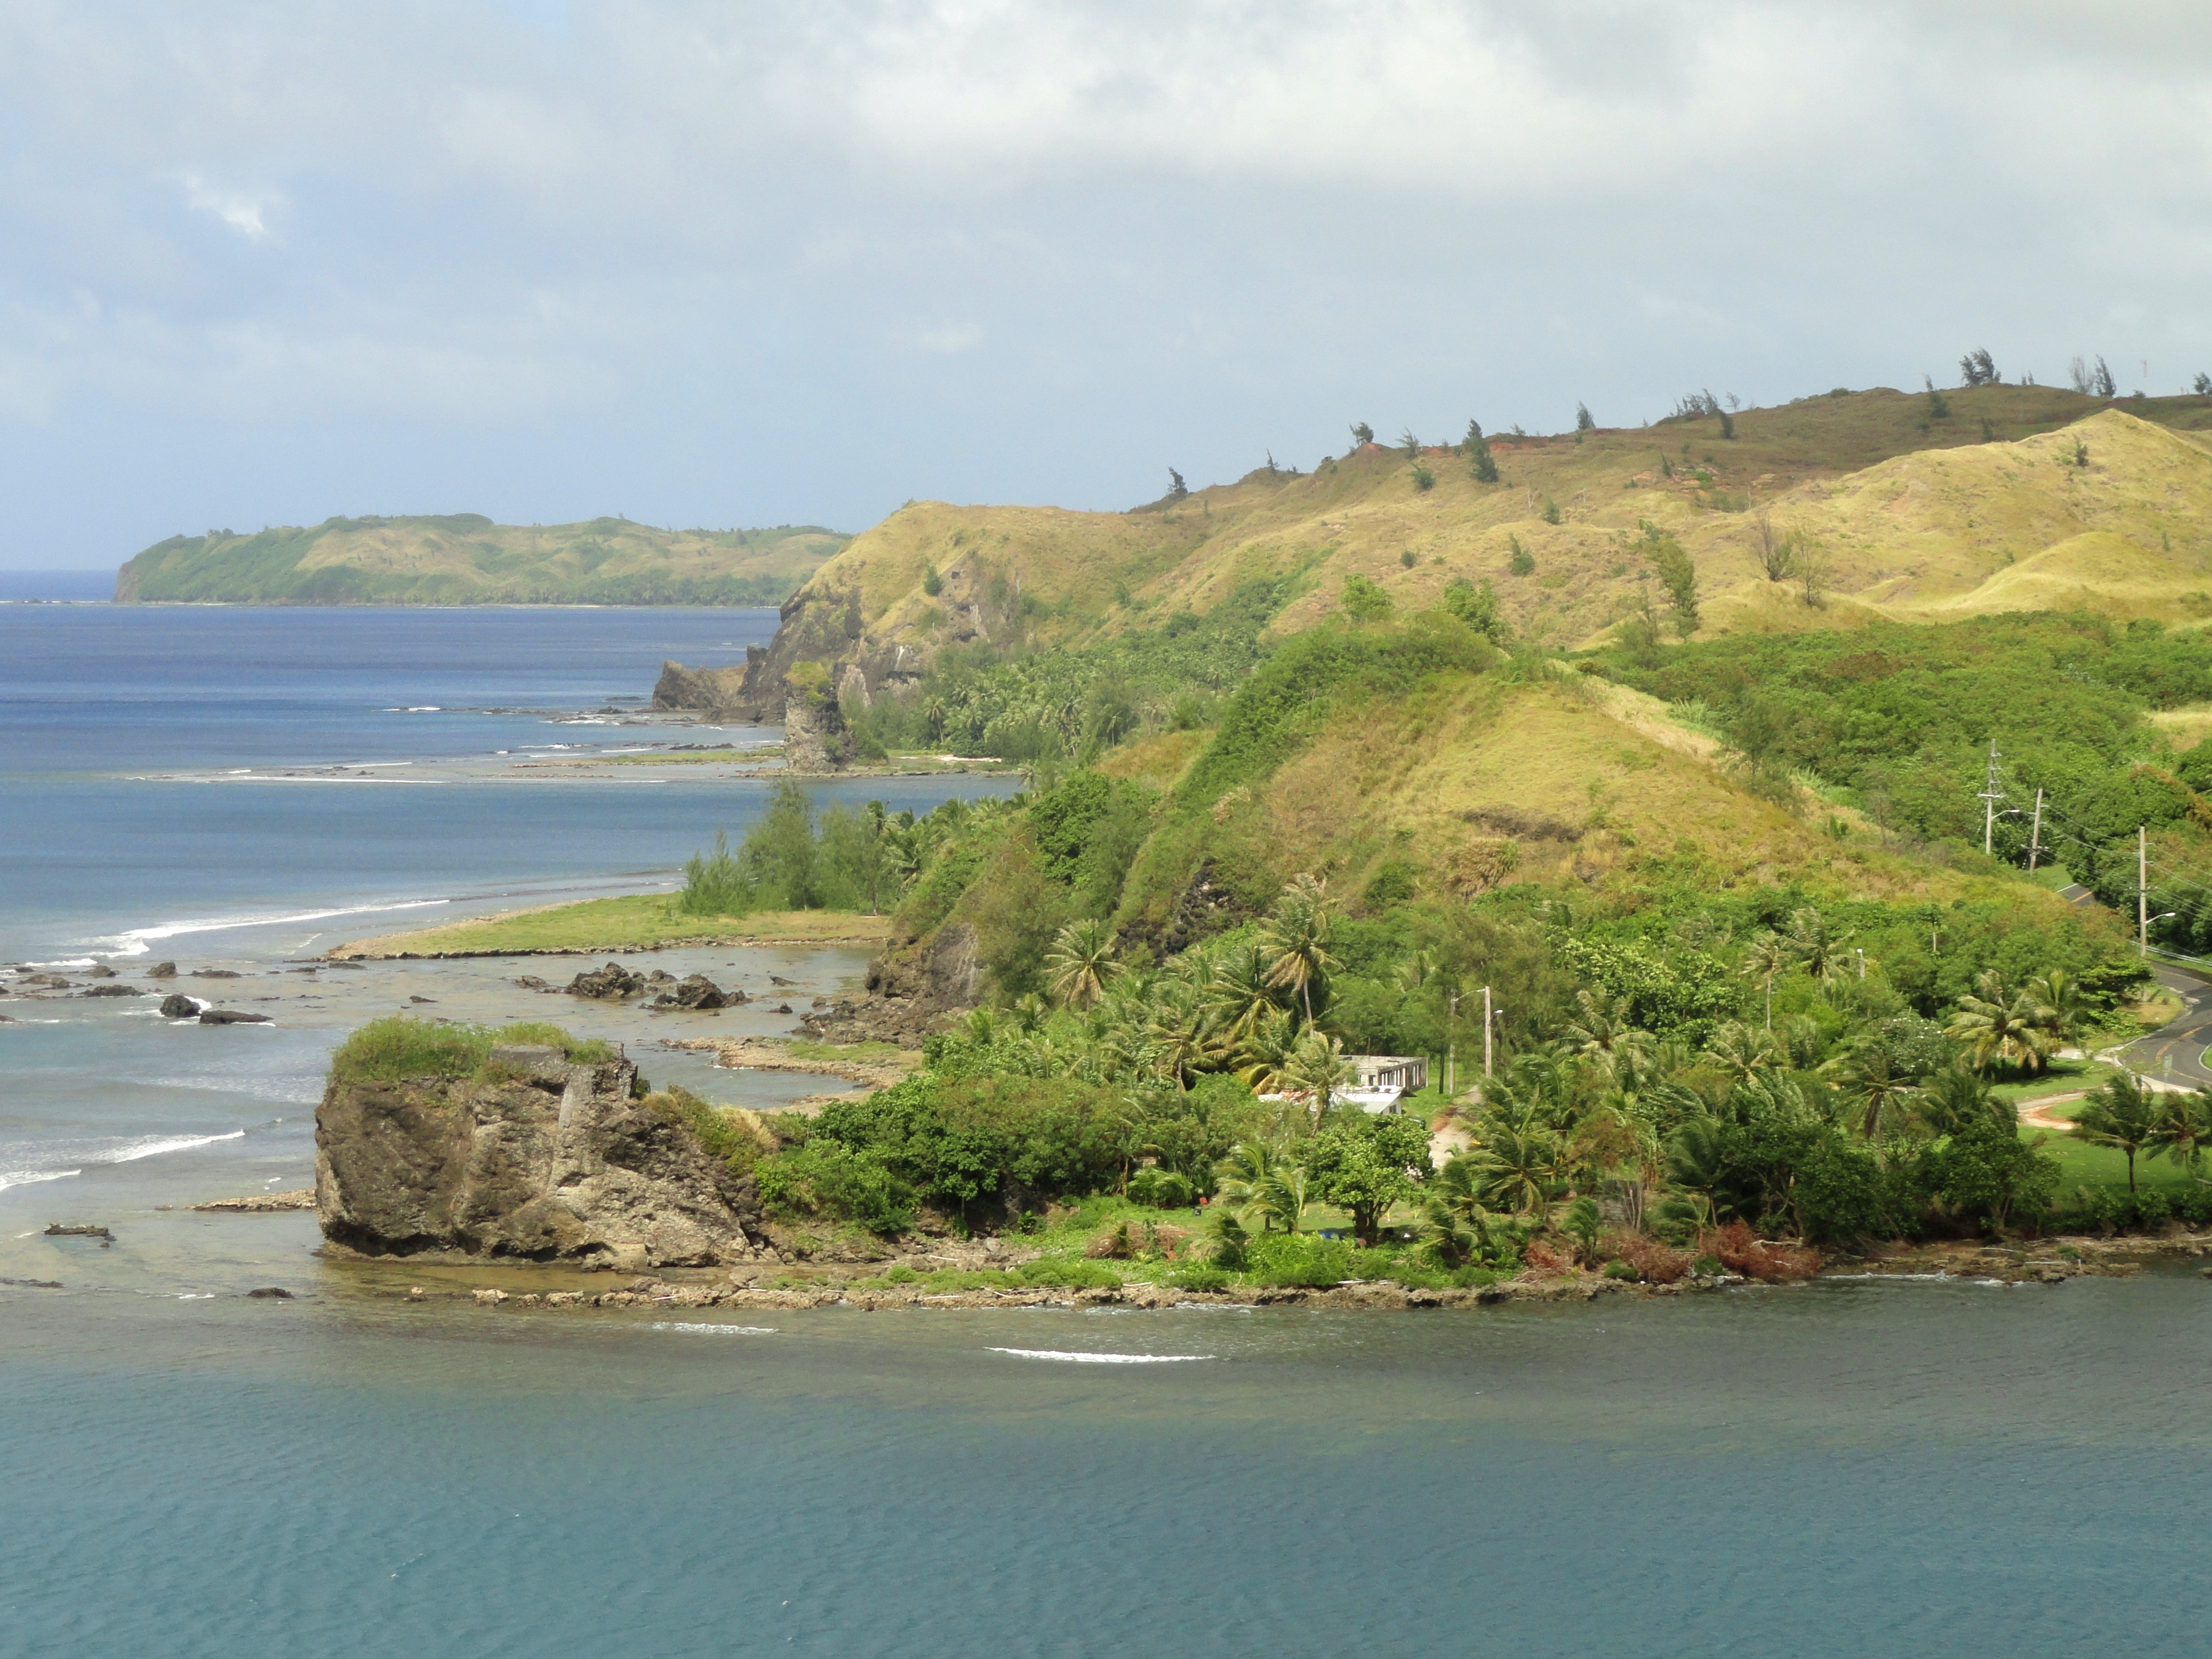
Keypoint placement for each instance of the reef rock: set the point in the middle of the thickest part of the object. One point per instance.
(697, 991)
(231, 1017)
(178, 1006)
(609, 984)
(535, 1159)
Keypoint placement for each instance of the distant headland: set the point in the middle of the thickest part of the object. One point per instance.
(464, 558)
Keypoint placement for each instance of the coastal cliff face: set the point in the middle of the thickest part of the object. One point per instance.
(535, 1159)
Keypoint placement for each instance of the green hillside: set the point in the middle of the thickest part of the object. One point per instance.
(1912, 506)
(464, 558)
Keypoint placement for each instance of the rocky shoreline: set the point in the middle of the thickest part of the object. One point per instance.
(2052, 1263)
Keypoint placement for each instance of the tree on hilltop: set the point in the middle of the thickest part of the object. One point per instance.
(1977, 368)
(1176, 489)
(1477, 449)
(1362, 434)
(1582, 421)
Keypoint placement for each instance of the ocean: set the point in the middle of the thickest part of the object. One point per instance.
(1843, 1468)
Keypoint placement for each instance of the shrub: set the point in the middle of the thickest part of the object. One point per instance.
(2193, 1204)
(1163, 1189)
(823, 1178)
(1551, 513)
(1543, 1256)
(1648, 1259)
(1297, 1260)
(1522, 562)
(1768, 1260)
(1364, 601)
(1423, 478)
(1069, 1275)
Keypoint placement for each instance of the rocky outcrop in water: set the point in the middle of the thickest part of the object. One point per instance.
(697, 991)
(611, 983)
(535, 1159)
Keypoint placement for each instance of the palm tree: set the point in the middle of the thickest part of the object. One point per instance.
(1296, 939)
(1811, 947)
(1244, 1175)
(1958, 1098)
(2055, 1000)
(1239, 992)
(1082, 962)
(1743, 1052)
(2183, 1131)
(1996, 1026)
(1600, 1030)
(1178, 1038)
(1767, 959)
(1876, 1090)
(1318, 1068)
(2125, 1114)
(1282, 1198)
(1516, 1167)
(1266, 1053)
(1697, 1162)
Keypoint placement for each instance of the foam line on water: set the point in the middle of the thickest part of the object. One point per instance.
(30, 1177)
(702, 1327)
(1103, 1358)
(139, 941)
(153, 1145)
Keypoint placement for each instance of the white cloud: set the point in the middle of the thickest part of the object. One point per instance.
(668, 232)
(241, 212)
(947, 341)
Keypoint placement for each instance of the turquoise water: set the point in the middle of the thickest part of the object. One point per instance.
(1839, 1470)
(1843, 1469)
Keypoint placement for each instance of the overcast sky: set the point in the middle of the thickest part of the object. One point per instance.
(756, 263)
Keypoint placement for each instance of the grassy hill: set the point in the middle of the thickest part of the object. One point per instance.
(464, 558)
(1918, 508)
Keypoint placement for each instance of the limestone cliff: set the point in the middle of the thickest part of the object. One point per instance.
(534, 1158)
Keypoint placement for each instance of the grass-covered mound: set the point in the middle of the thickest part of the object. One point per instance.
(398, 1048)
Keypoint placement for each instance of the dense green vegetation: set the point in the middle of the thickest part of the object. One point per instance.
(1898, 722)
(1077, 702)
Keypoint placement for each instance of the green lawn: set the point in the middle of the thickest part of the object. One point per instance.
(2084, 1163)
(2060, 1077)
(643, 920)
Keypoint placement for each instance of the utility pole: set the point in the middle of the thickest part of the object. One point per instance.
(2142, 891)
(2035, 837)
(1451, 1049)
(1485, 1032)
(1990, 796)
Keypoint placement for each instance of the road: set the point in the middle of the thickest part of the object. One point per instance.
(2176, 1050)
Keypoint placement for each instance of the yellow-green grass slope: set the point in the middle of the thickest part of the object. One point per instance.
(1914, 516)
(464, 558)
(1475, 782)
(639, 922)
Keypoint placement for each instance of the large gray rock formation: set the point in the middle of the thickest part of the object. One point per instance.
(535, 1159)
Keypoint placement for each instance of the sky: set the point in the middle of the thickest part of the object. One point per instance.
(715, 264)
